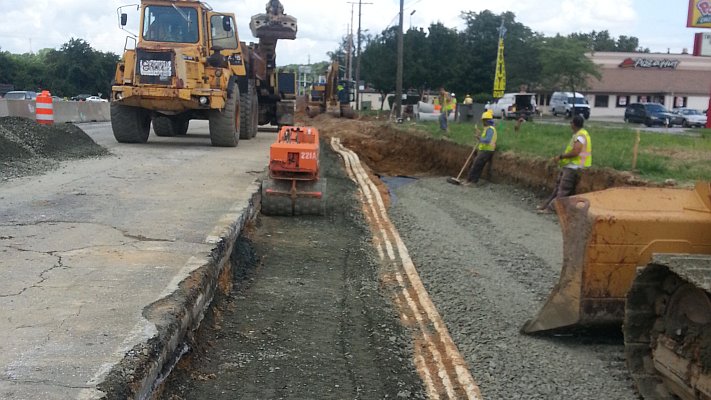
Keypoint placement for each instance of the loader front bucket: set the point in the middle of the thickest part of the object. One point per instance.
(606, 236)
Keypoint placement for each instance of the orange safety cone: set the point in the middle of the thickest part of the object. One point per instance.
(44, 110)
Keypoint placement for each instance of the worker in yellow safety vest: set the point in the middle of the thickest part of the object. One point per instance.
(575, 159)
(485, 149)
(445, 101)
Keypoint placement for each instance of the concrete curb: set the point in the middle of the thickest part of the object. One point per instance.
(145, 366)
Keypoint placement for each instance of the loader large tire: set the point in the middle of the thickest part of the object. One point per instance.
(249, 112)
(170, 126)
(130, 124)
(225, 123)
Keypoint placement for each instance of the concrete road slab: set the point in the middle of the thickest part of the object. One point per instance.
(104, 262)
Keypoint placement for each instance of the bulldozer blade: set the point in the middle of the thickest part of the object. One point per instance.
(607, 235)
(288, 198)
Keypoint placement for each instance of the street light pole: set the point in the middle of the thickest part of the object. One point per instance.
(413, 11)
(398, 80)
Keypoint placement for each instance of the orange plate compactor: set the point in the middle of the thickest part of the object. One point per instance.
(294, 186)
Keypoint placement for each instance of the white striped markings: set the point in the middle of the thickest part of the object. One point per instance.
(437, 359)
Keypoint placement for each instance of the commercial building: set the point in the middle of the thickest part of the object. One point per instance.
(675, 80)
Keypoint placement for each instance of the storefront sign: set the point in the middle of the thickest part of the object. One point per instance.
(699, 14)
(665, 63)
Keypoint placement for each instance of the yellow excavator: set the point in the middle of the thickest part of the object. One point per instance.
(640, 257)
(333, 96)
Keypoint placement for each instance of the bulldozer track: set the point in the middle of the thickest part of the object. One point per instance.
(439, 363)
(655, 323)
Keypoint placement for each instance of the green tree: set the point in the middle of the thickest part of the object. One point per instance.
(565, 65)
(602, 41)
(77, 68)
(481, 38)
(378, 62)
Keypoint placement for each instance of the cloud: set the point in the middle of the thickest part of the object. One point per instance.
(323, 23)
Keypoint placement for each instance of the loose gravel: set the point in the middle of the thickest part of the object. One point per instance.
(488, 262)
(28, 148)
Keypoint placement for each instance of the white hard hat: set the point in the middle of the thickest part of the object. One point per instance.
(452, 94)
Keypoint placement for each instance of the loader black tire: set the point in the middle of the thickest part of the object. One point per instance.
(130, 124)
(249, 112)
(225, 123)
(183, 124)
(170, 126)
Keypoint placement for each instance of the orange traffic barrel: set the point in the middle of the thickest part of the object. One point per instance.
(44, 109)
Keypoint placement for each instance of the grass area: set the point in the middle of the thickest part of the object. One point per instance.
(684, 157)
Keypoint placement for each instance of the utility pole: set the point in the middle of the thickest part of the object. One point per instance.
(350, 46)
(357, 88)
(398, 79)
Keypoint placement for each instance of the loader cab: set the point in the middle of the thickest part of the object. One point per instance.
(170, 23)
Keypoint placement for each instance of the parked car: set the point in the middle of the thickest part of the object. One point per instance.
(80, 97)
(515, 105)
(20, 95)
(651, 114)
(562, 103)
(95, 98)
(691, 117)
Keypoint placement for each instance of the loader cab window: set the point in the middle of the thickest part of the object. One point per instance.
(222, 31)
(170, 24)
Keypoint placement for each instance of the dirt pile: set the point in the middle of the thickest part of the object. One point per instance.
(28, 148)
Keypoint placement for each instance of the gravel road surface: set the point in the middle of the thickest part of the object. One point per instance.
(488, 262)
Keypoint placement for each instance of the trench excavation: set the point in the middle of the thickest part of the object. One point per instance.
(320, 307)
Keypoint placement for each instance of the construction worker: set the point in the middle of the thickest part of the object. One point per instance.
(453, 106)
(485, 148)
(468, 100)
(445, 103)
(576, 158)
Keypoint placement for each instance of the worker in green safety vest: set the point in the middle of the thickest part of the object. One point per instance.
(575, 159)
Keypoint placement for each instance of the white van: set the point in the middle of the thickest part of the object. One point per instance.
(562, 103)
(514, 105)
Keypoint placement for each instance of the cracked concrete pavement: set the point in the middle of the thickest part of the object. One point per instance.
(87, 248)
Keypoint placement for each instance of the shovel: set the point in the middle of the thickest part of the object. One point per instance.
(457, 180)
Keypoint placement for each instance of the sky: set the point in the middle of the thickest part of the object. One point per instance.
(660, 25)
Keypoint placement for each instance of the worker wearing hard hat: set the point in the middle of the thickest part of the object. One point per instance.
(485, 148)
(468, 100)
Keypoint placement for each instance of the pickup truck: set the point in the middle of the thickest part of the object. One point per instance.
(514, 106)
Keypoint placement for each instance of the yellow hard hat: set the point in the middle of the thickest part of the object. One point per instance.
(487, 115)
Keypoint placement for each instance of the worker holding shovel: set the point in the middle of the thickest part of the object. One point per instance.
(485, 149)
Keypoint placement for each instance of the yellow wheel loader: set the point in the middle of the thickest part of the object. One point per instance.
(640, 257)
(187, 63)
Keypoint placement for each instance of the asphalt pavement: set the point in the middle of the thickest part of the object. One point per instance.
(105, 262)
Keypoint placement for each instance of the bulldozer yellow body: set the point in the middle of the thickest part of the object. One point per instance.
(607, 235)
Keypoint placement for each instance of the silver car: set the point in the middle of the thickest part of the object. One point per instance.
(691, 117)
(20, 95)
